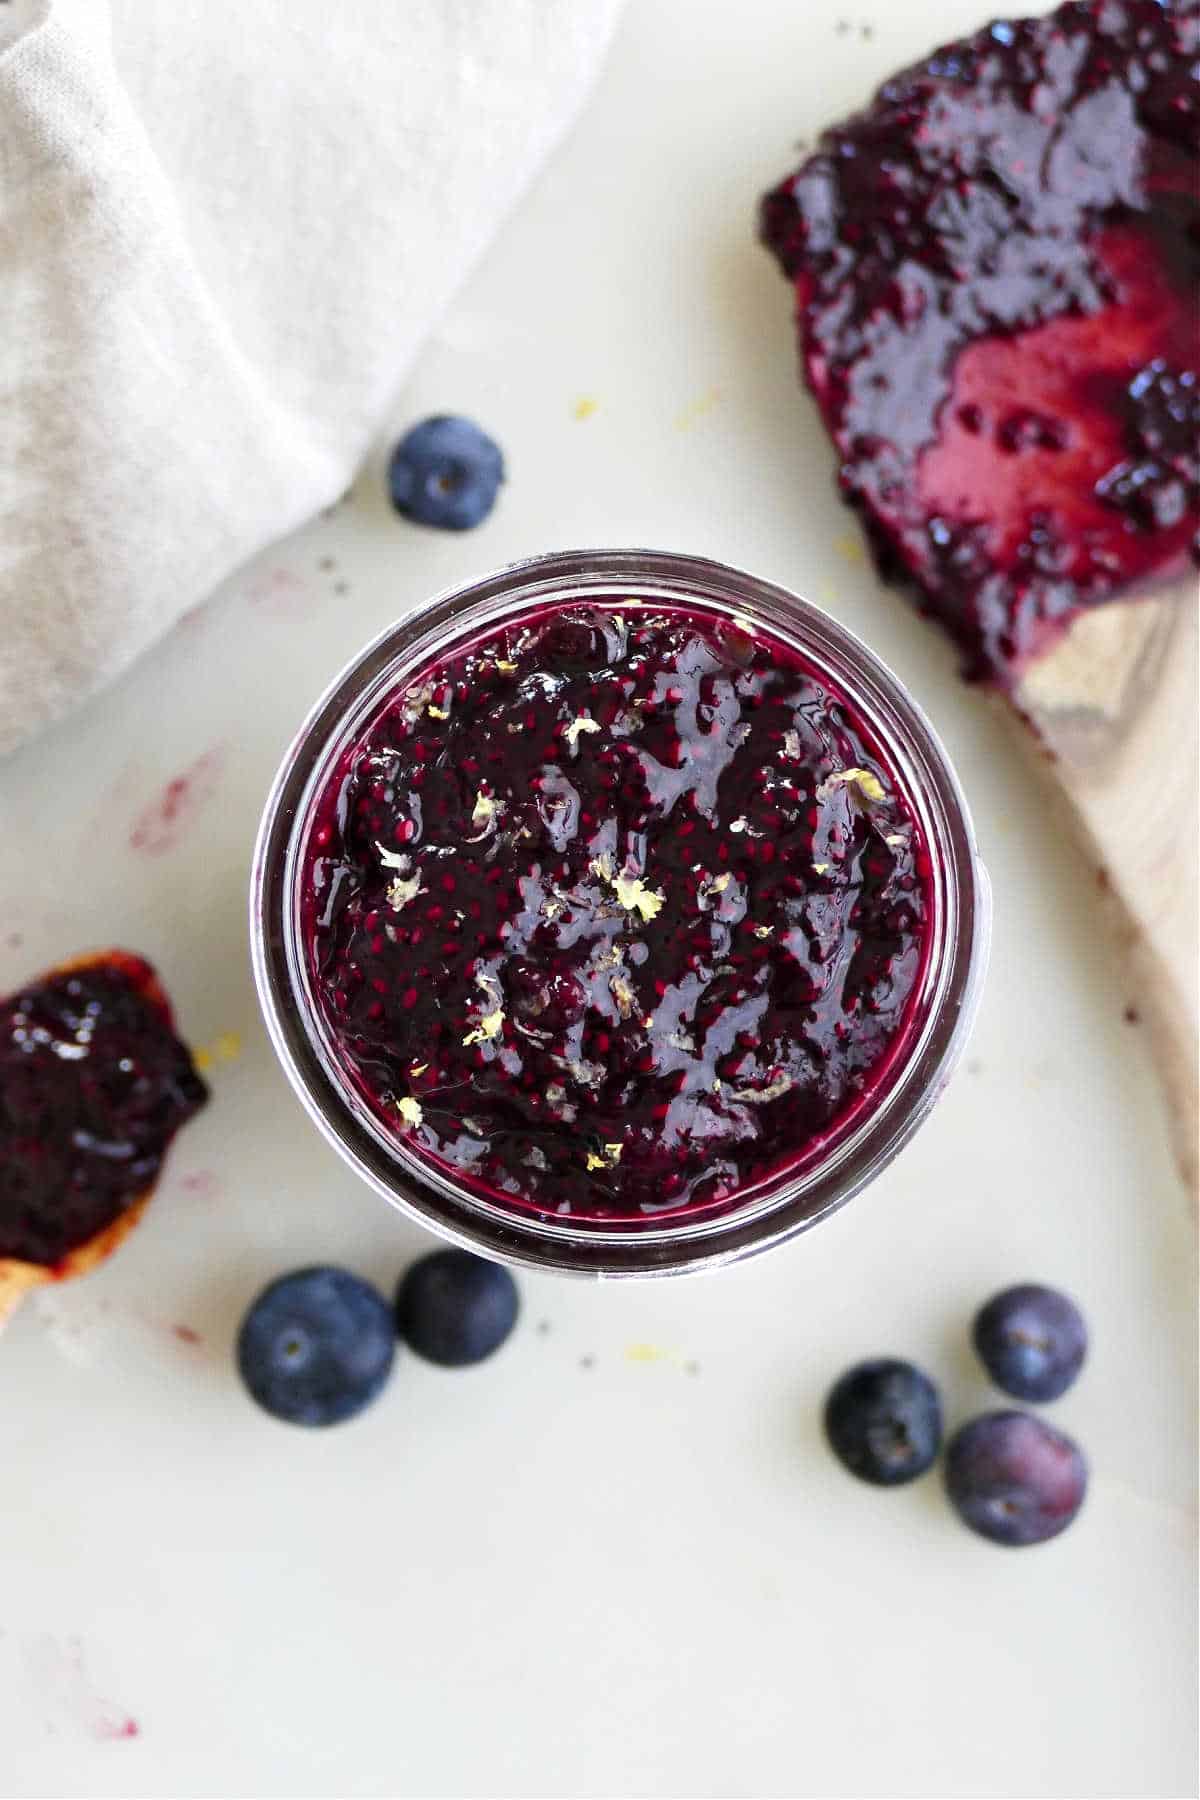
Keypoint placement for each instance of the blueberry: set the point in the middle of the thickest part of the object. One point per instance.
(1014, 1479)
(1032, 1341)
(454, 1308)
(445, 472)
(884, 1421)
(316, 1346)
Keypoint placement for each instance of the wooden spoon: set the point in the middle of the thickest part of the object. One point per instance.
(18, 1278)
(1116, 712)
(996, 298)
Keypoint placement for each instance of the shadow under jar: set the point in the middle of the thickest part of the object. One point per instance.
(618, 914)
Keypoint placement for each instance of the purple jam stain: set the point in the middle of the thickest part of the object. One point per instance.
(996, 268)
(201, 1184)
(58, 1671)
(163, 823)
(279, 593)
(94, 1084)
(615, 912)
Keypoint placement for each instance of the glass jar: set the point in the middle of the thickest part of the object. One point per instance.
(771, 1211)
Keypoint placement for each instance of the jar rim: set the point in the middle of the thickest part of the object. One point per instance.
(762, 1215)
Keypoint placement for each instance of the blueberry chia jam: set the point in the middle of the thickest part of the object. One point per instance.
(616, 911)
(608, 917)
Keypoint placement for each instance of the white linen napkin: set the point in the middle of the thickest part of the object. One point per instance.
(224, 231)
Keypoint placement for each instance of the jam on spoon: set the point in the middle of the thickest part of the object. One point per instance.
(94, 1084)
(996, 268)
(614, 912)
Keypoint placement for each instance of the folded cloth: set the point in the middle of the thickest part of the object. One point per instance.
(224, 231)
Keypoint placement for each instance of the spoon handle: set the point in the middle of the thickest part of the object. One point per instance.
(1116, 711)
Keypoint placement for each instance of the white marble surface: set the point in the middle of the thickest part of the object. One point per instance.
(617, 1559)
